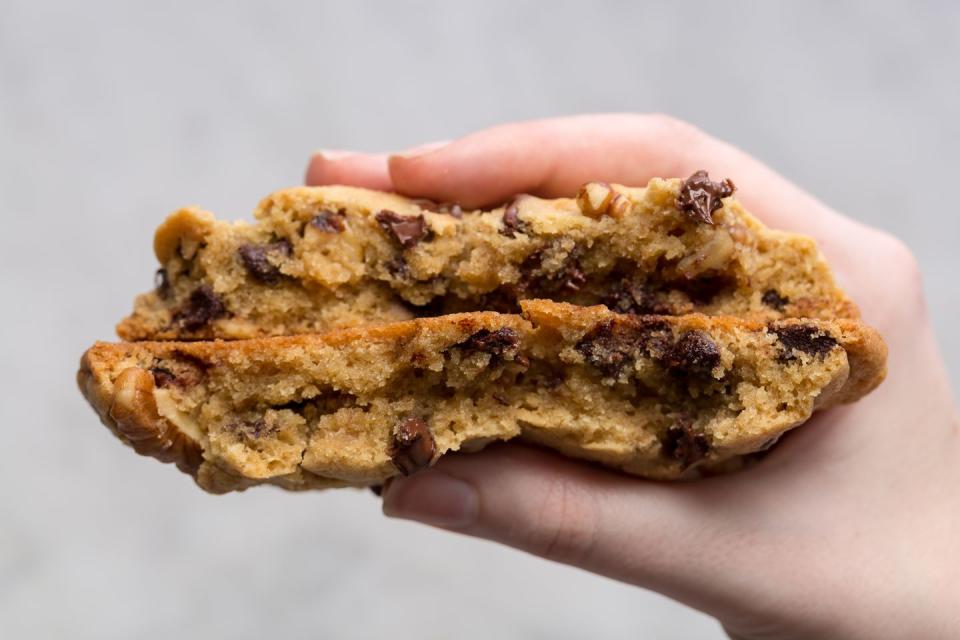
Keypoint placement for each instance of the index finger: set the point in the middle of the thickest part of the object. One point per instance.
(554, 157)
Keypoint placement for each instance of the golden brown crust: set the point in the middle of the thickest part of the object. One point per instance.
(867, 353)
(183, 231)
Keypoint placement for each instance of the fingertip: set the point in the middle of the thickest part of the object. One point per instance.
(434, 498)
(314, 168)
(356, 169)
(474, 171)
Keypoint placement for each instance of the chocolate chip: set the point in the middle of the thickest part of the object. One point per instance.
(501, 342)
(161, 283)
(260, 260)
(805, 338)
(700, 196)
(530, 266)
(609, 348)
(181, 370)
(412, 446)
(200, 309)
(694, 353)
(683, 443)
(190, 362)
(328, 221)
(398, 268)
(629, 297)
(162, 378)
(567, 279)
(613, 346)
(773, 299)
(512, 224)
(407, 231)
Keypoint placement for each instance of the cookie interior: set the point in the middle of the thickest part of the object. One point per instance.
(331, 257)
(661, 397)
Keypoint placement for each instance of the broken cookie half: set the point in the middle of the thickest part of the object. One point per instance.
(657, 396)
(321, 258)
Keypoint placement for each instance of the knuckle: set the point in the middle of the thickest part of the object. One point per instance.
(566, 525)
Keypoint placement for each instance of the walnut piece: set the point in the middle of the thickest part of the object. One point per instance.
(138, 421)
(597, 199)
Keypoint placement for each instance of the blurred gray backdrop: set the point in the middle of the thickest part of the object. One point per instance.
(112, 114)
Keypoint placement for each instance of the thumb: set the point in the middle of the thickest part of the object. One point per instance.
(640, 532)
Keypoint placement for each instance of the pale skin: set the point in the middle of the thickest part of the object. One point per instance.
(849, 528)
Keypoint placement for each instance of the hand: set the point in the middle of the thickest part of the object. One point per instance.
(850, 527)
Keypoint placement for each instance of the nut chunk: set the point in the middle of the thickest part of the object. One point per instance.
(597, 199)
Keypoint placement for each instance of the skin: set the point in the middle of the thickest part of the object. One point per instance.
(849, 528)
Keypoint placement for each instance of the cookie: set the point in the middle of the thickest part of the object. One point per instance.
(321, 258)
(656, 396)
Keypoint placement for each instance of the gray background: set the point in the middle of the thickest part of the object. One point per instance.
(113, 114)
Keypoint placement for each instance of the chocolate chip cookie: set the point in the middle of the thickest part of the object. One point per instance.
(653, 395)
(321, 258)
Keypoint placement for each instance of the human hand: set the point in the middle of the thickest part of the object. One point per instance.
(848, 528)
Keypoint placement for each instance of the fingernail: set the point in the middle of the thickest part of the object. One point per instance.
(421, 150)
(333, 154)
(433, 498)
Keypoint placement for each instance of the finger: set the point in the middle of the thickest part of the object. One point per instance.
(367, 170)
(554, 157)
(635, 531)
